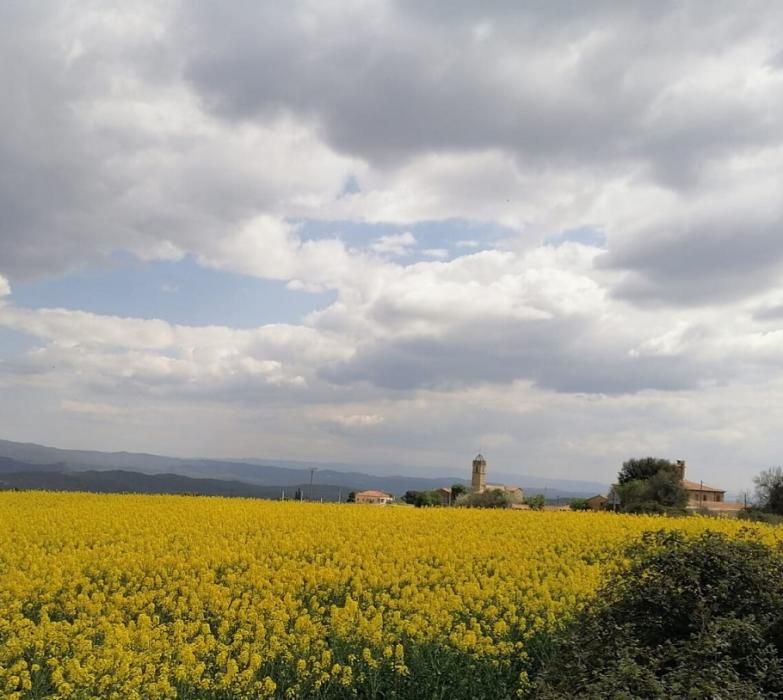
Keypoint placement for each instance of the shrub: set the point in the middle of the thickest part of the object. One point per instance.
(688, 618)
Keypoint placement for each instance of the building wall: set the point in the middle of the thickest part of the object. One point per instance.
(705, 496)
(373, 500)
(479, 477)
(596, 503)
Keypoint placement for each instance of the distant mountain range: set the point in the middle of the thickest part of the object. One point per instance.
(31, 466)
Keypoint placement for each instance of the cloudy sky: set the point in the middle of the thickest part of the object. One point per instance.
(396, 232)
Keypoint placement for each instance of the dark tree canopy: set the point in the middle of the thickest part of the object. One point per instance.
(578, 504)
(458, 490)
(643, 468)
(689, 618)
(769, 490)
(650, 485)
(421, 499)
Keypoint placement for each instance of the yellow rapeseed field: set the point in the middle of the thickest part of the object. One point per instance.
(160, 596)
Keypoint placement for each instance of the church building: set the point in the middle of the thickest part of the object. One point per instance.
(479, 483)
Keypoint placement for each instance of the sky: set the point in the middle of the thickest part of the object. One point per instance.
(396, 232)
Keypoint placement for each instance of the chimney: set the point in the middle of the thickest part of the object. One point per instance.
(679, 468)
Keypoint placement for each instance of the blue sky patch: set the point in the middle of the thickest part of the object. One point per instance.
(456, 236)
(179, 292)
(586, 235)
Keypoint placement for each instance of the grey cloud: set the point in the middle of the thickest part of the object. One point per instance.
(99, 151)
(562, 355)
(706, 264)
(769, 313)
(412, 80)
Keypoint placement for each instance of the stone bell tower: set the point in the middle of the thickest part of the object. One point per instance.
(479, 478)
(679, 469)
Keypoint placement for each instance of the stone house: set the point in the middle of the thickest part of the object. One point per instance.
(597, 502)
(516, 493)
(705, 498)
(378, 498)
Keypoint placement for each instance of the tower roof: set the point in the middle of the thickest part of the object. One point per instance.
(479, 458)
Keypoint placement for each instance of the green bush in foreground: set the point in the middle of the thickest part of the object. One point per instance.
(688, 618)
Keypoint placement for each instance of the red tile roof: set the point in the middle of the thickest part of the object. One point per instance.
(696, 486)
(373, 494)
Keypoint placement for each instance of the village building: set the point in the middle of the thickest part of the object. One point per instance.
(597, 502)
(479, 483)
(378, 498)
(444, 496)
(703, 498)
(479, 476)
(515, 492)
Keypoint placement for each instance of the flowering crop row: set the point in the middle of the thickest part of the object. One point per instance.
(161, 596)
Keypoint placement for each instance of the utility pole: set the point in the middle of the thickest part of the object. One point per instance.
(313, 470)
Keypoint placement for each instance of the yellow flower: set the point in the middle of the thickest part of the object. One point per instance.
(139, 596)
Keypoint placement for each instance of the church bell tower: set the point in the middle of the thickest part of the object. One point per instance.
(479, 478)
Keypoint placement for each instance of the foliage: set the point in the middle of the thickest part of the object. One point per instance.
(536, 502)
(351, 497)
(409, 497)
(490, 498)
(421, 499)
(458, 490)
(769, 490)
(650, 485)
(689, 617)
(210, 598)
(758, 515)
(578, 504)
(640, 469)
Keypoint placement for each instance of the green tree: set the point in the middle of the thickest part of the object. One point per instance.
(409, 497)
(769, 490)
(351, 497)
(458, 490)
(578, 504)
(678, 622)
(644, 468)
(650, 485)
(536, 502)
(427, 498)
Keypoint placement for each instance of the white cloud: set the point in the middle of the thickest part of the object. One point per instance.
(360, 420)
(395, 244)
